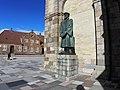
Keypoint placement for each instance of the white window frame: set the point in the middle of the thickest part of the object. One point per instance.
(25, 48)
(4, 47)
(19, 48)
(37, 49)
(31, 49)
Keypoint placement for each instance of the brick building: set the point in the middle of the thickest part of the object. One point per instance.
(21, 43)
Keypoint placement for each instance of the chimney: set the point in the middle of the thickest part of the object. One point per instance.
(11, 29)
(32, 30)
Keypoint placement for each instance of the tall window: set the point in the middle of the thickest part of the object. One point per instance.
(37, 49)
(19, 48)
(25, 48)
(4, 48)
(37, 42)
(31, 49)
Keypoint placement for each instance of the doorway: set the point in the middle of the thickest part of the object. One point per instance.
(11, 49)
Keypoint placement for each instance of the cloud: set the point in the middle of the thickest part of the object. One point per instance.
(27, 31)
(22, 30)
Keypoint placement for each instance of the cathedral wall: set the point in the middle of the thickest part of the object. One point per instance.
(84, 30)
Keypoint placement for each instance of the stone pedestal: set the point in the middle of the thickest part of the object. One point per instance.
(67, 67)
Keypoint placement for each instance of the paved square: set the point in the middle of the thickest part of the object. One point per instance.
(28, 75)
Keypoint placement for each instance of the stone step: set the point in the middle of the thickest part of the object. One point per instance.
(99, 70)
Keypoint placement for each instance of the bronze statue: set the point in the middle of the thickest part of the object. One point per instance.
(66, 33)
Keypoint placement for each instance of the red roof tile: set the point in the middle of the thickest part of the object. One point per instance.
(11, 37)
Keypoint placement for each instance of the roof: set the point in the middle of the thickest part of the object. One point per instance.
(12, 37)
(41, 37)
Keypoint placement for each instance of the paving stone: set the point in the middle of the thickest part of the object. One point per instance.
(50, 85)
(65, 83)
(44, 87)
(9, 79)
(12, 74)
(0, 80)
(59, 88)
(34, 85)
(35, 69)
(17, 89)
(19, 86)
(48, 81)
(97, 83)
(16, 83)
(4, 76)
(41, 78)
(82, 78)
(88, 83)
(30, 79)
(86, 88)
(3, 86)
(95, 87)
(37, 88)
(2, 73)
(47, 76)
(11, 70)
(34, 82)
(77, 82)
(19, 76)
(73, 86)
(40, 83)
(55, 83)
(26, 88)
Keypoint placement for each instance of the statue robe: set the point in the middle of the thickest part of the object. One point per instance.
(66, 33)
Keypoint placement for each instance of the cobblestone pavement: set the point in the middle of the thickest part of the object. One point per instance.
(24, 74)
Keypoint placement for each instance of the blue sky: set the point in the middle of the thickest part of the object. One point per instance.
(22, 15)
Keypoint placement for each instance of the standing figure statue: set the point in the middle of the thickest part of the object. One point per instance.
(66, 33)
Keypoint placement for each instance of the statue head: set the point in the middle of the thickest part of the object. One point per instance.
(66, 15)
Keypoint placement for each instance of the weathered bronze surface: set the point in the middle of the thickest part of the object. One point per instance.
(66, 33)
